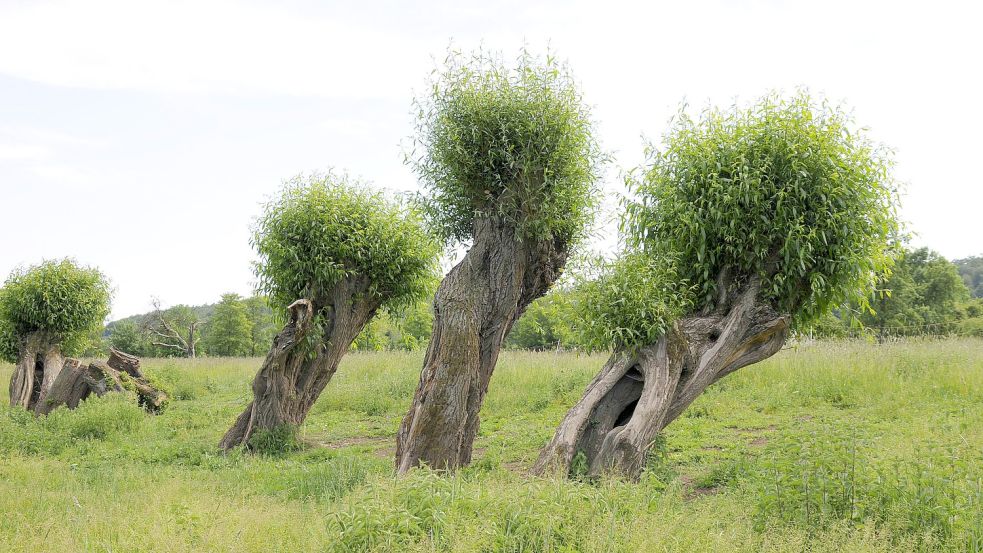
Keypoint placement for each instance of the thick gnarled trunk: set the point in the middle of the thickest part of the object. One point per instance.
(291, 378)
(38, 365)
(474, 309)
(638, 393)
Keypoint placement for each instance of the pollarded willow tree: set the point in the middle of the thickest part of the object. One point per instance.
(331, 254)
(46, 312)
(510, 162)
(748, 222)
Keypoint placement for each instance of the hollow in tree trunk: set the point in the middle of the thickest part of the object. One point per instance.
(474, 309)
(38, 365)
(292, 377)
(638, 393)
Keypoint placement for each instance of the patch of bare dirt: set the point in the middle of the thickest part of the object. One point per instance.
(517, 467)
(691, 491)
(353, 441)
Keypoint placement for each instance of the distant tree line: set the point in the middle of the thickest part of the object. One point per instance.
(233, 327)
(971, 270)
(242, 327)
(925, 295)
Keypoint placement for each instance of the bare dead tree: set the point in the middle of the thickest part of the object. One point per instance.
(165, 335)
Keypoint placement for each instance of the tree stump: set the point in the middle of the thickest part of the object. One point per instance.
(37, 368)
(77, 381)
(124, 362)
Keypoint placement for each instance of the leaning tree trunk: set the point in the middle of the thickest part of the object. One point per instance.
(38, 365)
(474, 309)
(638, 393)
(291, 378)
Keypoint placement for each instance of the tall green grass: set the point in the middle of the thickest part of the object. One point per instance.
(827, 447)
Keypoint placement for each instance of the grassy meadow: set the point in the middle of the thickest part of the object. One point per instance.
(825, 447)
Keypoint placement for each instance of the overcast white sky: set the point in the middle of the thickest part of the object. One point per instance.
(141, 137)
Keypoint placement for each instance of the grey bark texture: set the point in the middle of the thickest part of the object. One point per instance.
(474, 309)
(638, 393)
(38, 365)
(77, 381)
(292, 377)
(124, 362)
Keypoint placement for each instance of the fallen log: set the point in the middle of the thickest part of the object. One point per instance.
(124, 362)
(78, 381)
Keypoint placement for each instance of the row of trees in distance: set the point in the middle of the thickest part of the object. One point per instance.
(926, 295)
(244, 327)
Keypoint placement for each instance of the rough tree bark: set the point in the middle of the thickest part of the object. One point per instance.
(638, 393)
(474, 308)
(77, 381)
(124, 362)
(292, 378)
(39, 363)
(149, 396)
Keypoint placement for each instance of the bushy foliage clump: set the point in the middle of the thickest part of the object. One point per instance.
(276, 441)
(787, 191)
(326, 228)
(8, 341)
(923, 294)
(512, 142)
(633, 302)
(55, 296)
(546, 323)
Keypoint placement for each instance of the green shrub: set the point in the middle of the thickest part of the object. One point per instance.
(971, 327)
(275, 441)
(100, 417)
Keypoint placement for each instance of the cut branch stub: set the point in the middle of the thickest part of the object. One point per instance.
(638, 393)
(124, 362)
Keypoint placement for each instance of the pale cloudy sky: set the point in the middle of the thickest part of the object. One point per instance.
(141, 137)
